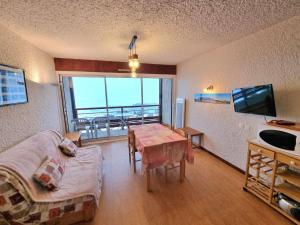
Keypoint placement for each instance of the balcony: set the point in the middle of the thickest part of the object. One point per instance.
(101, 122)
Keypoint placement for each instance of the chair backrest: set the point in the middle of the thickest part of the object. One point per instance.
(131, 138)
(80, 123)
(99, 120)
(180, 132)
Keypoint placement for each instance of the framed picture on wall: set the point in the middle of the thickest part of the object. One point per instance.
(216, 98)
(12, 86)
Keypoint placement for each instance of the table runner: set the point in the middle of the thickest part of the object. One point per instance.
(160, 146)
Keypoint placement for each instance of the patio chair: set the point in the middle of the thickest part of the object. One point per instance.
(98, 123)
(81, 124)
(115, 121)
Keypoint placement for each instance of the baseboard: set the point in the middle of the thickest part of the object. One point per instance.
(101, 141)
(224, 161)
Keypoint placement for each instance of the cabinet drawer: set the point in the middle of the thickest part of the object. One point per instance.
(262, 150)
(288, 160)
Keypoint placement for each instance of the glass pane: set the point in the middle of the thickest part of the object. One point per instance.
(68, 105)
(151, 100)
(151, 91)
(124, 103)
(89, 92)
(123, 91)
(90, 106)
(166, 100)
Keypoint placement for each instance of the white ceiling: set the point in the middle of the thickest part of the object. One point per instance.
(170, 31)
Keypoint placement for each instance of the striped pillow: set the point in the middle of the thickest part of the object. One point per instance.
(68, 147)
(49, 174)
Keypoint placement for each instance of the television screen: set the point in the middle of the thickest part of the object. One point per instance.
(256, 100)
(12, 86)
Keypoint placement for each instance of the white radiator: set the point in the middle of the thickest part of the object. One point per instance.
(180, 113)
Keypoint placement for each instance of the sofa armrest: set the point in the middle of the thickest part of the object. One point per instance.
(14, 202)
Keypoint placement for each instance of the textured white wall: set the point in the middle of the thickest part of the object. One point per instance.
(42, 112)
(269, 56)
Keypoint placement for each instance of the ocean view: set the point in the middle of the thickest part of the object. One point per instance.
(91, 92)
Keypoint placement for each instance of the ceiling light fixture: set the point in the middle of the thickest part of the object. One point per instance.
(133, 58)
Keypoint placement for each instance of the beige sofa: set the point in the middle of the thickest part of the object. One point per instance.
(23, 201)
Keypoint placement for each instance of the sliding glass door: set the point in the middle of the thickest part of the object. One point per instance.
(124, 102)
(151, 99)
(101, 107)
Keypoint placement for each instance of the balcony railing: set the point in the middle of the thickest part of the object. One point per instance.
(116, 118)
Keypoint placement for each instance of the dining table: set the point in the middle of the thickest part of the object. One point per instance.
(161, 146)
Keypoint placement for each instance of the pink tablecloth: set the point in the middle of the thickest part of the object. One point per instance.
(159, 145)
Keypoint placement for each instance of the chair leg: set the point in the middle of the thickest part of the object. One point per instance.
(129, 154)
(92, 132)
(182, 170)
(166, 174)
(96, 132)
(134, 161)
(87, 133)
(148, 180)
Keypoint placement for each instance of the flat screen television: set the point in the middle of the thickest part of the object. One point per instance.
(255, 100)
(12, 86)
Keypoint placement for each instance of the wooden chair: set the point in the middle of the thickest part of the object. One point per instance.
(132, 148)
(168, 126)
(174, 165)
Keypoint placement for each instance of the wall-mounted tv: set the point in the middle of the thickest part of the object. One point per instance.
(255, 100)
(12, 86)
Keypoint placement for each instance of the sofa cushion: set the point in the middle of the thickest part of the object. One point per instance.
(25, 158)
(68, 147)
(49, 174)
(87, 167)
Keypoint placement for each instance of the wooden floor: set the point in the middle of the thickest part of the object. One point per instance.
(211, 194)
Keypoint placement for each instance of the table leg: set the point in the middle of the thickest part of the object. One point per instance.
(193, 145)
(182, 170)
(199, 143)
(148, 180)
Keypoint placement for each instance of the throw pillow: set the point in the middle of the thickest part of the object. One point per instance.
(68, 147)
(49, 174)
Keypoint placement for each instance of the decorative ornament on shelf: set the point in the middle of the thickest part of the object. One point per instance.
(133, 58)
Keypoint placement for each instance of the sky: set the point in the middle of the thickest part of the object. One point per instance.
(90, 92)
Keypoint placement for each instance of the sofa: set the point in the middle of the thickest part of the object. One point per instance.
(24, 201)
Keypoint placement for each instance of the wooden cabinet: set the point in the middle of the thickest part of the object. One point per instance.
(264, 166)
(261, 150)
(288, 160)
